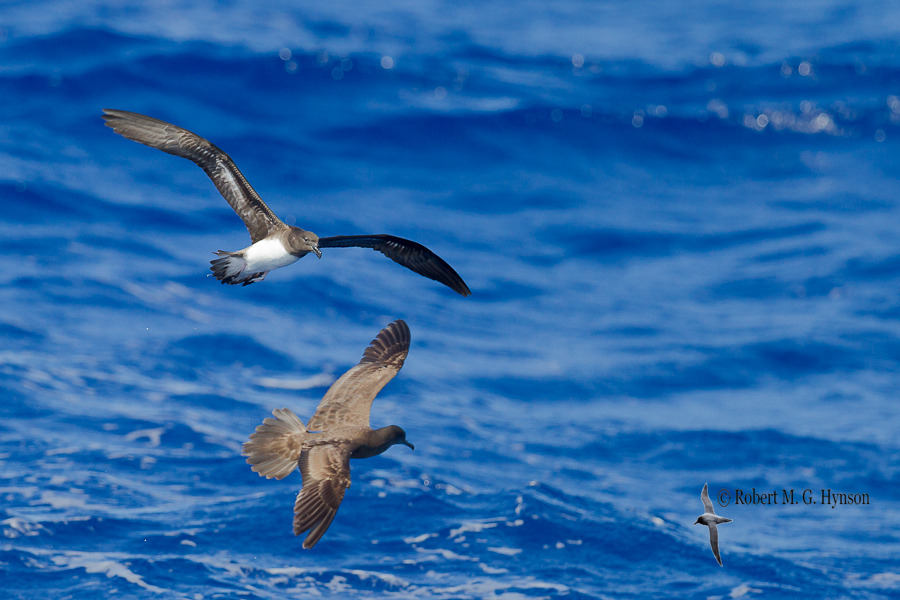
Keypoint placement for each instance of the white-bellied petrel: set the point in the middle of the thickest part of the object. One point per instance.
(275, 243)
(710, 519)
(337, 432)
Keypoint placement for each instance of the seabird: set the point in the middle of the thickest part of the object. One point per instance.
(710, 519)
(275, 243)
(337, 432)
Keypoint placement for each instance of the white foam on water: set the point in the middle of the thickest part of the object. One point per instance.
(14, 527)
(506, 551)
(473, 527)
(385, 577)
(95, 562)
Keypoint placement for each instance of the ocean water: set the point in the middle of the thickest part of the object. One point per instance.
(679, 221)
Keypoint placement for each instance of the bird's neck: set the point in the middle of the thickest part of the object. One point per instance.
(378, 441)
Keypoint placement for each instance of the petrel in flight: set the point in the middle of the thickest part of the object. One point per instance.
(337, 432)
(710, 519)
(275, 243)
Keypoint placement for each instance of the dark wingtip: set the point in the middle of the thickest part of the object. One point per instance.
(111, 114)
(399, 332)
(108, 114)
(448, 276)
(400, 250)
(390, 341)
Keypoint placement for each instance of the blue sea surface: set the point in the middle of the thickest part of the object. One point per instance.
(680, 222)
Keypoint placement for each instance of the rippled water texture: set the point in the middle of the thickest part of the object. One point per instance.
(679, 222)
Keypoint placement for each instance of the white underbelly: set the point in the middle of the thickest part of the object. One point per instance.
(267, 255)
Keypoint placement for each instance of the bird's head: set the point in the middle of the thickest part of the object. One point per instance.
(302, 242)
(697, 521)
(398, 436)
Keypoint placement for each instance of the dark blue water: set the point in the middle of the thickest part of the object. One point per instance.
(679, 221)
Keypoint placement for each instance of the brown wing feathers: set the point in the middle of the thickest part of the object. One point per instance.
(229, 180)
(349, 400)
(390, 346)
(326, 476)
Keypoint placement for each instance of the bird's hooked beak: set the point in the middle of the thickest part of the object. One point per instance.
(315, 249)
(697, 521)
(405, 443)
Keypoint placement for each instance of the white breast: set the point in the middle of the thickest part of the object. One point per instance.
(267, 255)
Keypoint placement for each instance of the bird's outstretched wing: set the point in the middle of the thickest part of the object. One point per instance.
(704, 496)
(231, 183)
(349, 400)
(274, 449)
(326, 476)
(412, 255)
(714, 541)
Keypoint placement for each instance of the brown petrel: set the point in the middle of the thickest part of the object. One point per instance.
(337, 432)
(275, 243)
(711, 519)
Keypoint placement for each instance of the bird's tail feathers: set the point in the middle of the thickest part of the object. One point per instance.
(274, 449)
(229, 268)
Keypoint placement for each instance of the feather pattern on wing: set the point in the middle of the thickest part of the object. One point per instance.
(231, 183)
(714, 542)
(410, 254)
(349, 400)
(326, 476)
(704, 497)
